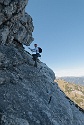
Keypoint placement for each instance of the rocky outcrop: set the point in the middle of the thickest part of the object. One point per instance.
(28, 95)
(15, 25)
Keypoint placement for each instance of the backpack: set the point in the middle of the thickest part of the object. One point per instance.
(40, 50)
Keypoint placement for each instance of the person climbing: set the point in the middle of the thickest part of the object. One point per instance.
(36, 53)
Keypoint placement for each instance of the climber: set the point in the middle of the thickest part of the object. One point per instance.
(36, 54)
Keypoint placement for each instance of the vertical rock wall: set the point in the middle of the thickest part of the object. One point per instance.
(15, 25)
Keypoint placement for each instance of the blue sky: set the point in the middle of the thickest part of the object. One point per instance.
(59, 30)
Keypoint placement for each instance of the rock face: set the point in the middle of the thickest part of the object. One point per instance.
(15, 24)
(28, 95)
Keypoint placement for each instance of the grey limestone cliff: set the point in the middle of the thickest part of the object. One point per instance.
(28, 95)
(15, 24)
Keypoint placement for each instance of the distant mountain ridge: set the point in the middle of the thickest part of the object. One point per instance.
(73, 91)
(72, 79)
